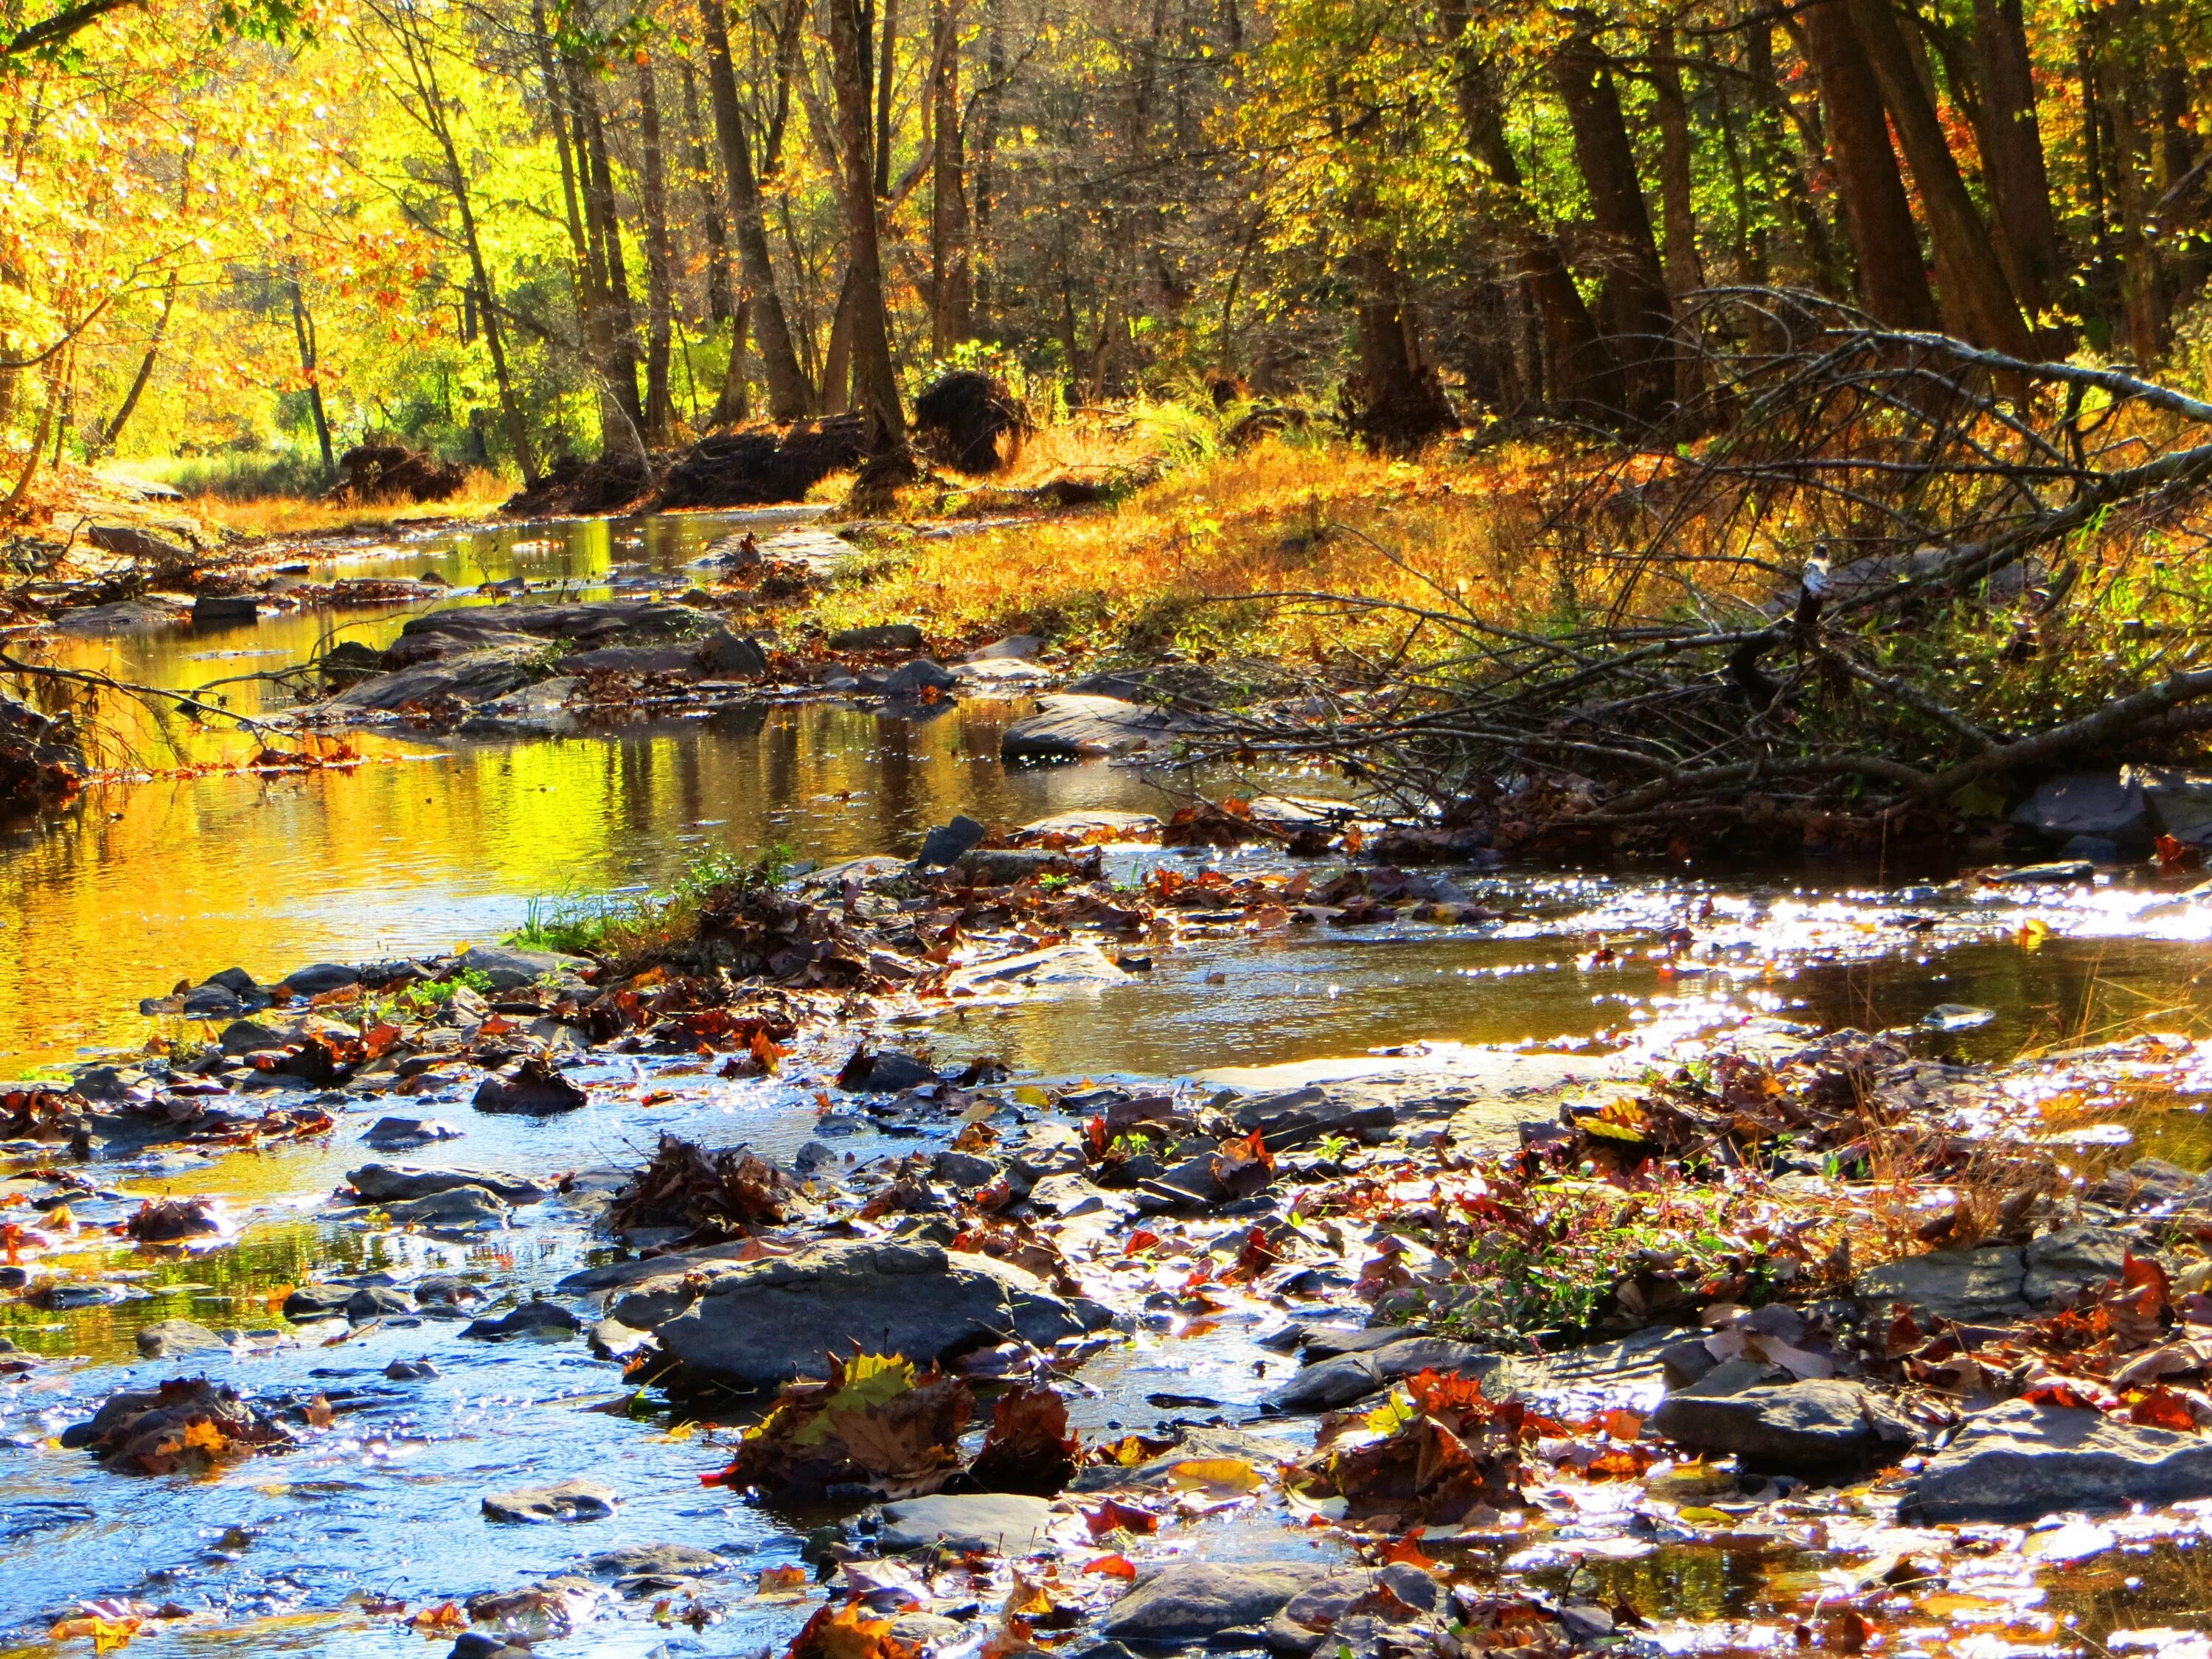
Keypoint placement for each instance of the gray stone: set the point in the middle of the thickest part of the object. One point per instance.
(1733, 1376)
(878, 637)
(382, 1182)
(466, 677)
(1800, 1428)
(2147, 1183)
(1194, 1600)
(1197, 1445)
(771, 1321)
(634, 660)
(1308, 1619)
(529, 1087)
(1015, 647)
(223, 610)
(168, 1339)
(1303, 1115)
(529, 1319)
(2178, 800)
(1003, 1522)
(665, 1560)
(733, 656)
(1077, 963)
(1082, 825)
(926, 1630)
(124, 617)
(909, 682)
(396, 1134)
(1003, 866)
(317, 1301)
(510, 970)
(886, 1072)
(2097, 849)
(566, 1500)
(2043, 875)
(2018, 1462)
(318, 977)
(452, 1207)
(1975, 1287)
(244, 1036)
(965, 1171)
(1340, 1379)
(377, 1302)
(2061, 1262)
(1071, 726)
(211, 1002)
(947, 841)
(2103, 803)
(132, 541)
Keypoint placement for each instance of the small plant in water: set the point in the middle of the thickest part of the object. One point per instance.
(628, 928)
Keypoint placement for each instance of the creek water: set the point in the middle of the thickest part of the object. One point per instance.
(426, 845)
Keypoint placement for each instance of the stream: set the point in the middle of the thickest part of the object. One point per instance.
(426, 846)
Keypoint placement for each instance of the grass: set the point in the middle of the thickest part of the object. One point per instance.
(648, 927)
(482, 494)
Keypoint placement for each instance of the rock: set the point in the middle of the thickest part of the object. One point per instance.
(2043, 875)
(912, 682)
(1342, 1378)
(2097, 849)
(1001, 1522)
(566, 1500)
(529, 1087)
(1003, 866)
(590, 626)
(167, 1339)
(222, 610)
(1308, 1619)
(2102, 804)
(410, 1370)
(510, 970)
(1081, 963)
(396, 1134)
(733, 656)
(926, 1630)
(452, 1207)
(244, 1036)
(1303, 1115)
(317, 1301)
(965, 1171)
(1197, 1445)
(658, 1560)
(445, 1290)
(468, 676)
(475, 1644)
(1194, 1601)
(883, 1073)
(1090, 826)
(318, 977)
(124, 617)
(769, 1321)
(377, 1302)
(947, 841)
(1800, 1428)
(2147, 1184)
(2020, 1461)
(1975, 1287)
(878, 637)
(379, 1182)
(2061, 1262)
(1071, 726)
(211, 1002)
(634, 660)
(1015, 647)
(527, 1320)
(2178, 801)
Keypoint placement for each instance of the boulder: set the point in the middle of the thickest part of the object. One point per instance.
(222, 610)
(1004, 867)
(878, 637)
(633, 659)
(883, 1073)
(1303, 1115)
(2018, 1462)
(167, 1339)
(398, 1135)
(132, 541)
(566, 1500)
(321, 976)
(383, 1183)
(2060, 1263)
(1975, 1287)
(465, 676)
(1196, 1600)
(2103, 803)
(1819, 1428)
(947, 841)
(1079, 963)
(661, 1560)
(913, 682)
(1340, 1379)
(1068, 726)
(317, 1301)
(732, 656)
(452, 1207)
(377, 1302)
(2178, 801)
(769, 1321)
(510, 970)
(1015, 647)
(529, 1319)
(529, 1088)
(1004, 1523)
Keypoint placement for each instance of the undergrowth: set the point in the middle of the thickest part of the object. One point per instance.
(641, 927)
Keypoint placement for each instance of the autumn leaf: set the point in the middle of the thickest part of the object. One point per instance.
(849, 1632)
(1218, 1475)
(1112, 1516)
(783, 1581)
(1111, 1566)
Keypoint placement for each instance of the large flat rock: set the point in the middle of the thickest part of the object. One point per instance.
(769, 1321)
(474, 676)
(1800, 1428)
(1004, 1523)
(2018, 1462)
(1069, 726)
(1194, 1600)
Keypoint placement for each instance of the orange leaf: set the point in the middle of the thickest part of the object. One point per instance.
(1111, 1515)
(1408, 1550)
(1112, 1566)
(2162, 1408)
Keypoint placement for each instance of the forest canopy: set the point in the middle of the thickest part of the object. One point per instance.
(508, 230)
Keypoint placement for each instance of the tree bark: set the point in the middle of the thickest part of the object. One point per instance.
(875, 378)
(1975, 292)
(711, 225)
(660, 273)
(789, 396)
(886, 67)
(303, 331)
(1638, 318)
(981, 260)
(950, 313)
(2012, 150)
(1893, 276)
(626, 431)
(1773, 149)
(557, 117)
(2141, 309)
(1677, 210)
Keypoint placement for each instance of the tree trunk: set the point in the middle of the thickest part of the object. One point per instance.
(875, 379)
(949, 289)
(2012, 150)
(1405, 408)
(626, 431)
(303, 331)
(730, 405)
(1638, 317)
(1893, 276)
(1975, 292)
(557, 117)
(982, 263)
(660, 274)
(1774, 152)
(710, 204)
(2124, 98)
(1677, 213)
(886, 67)
(789, 396)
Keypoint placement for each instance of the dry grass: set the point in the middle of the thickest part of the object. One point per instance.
(1165, 564)
(480, 494)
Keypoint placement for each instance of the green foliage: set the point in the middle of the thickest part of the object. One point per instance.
(614, 925)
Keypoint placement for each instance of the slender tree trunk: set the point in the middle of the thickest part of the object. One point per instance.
(2124, 98)
(838, 352)
(1885, 243)
(584, 234)
(1677, 212)
(886, 67)
(982, 260)
(710, 203)
(303, 331)
(875, 379)
(627, 431)
(789, 396)
(1777, 157)
(557, 115)
(2012, 150)
(1639, 317)
(659, 261)
(949, 287)
(1975, 289)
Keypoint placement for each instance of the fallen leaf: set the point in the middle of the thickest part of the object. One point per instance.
(1215, 1474)
(1111, 1566)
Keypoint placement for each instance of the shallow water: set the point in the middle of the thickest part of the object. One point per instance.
(427, 845)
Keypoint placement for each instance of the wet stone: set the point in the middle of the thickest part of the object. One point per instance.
(455, 1206)
(1004, 1523)
(377, 1302)
(167, 1339)
(1815, 1428)
(317, 1301)
(1196, 1600)
(528, 1320)
(878, 637)
(947, 841)
(395, 1134)
(379, 1182)
(566, 1500)
(2021, 1461)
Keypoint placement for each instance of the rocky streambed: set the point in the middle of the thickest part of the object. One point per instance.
(754, 1298)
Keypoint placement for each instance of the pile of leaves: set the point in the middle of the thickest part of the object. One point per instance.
(1436, 1449)
(54, 1117)
(876, 1423)
(187, 1424)
(1029, 1447)
(718, 1195)
(166, 1220)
